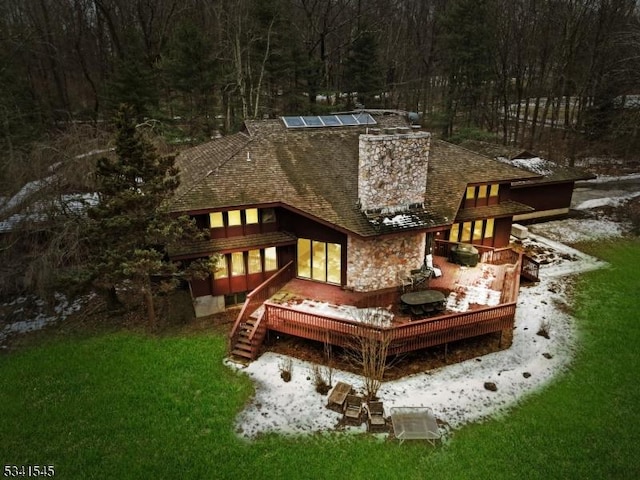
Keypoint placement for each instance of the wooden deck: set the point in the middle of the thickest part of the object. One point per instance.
(276, 306)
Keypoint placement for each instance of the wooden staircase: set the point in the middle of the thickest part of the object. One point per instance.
(249, 338)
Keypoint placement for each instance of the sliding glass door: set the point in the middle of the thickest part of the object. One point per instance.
(319, 260)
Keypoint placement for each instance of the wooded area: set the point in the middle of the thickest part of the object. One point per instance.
(560, 77)
(511, 67)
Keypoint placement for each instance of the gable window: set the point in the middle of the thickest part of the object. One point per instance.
(216, 220)
(251, 216)
(481, 195)
(268, 215)
(234, 218)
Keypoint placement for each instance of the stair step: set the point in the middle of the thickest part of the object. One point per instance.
(243, 346)
(242, 353)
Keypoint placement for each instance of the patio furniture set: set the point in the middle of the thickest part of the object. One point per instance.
(355, 410)
(409, 423)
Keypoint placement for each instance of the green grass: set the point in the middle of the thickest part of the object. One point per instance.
(130, 406)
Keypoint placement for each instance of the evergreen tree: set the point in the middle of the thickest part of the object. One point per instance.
(129, 230)
(363, 73)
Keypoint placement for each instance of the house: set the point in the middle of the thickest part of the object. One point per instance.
(550, 194)
(347, 200)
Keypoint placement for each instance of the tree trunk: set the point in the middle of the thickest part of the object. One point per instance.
(147, 295)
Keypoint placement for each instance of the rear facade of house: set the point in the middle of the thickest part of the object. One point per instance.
(350, 200)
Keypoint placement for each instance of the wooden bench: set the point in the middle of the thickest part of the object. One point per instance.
(337, 397)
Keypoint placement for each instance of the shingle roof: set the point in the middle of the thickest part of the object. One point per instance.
(452, 168)
(223, 245)
(315, 172)
(551, 172)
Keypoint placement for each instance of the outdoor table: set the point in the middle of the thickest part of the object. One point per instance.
(423, 301)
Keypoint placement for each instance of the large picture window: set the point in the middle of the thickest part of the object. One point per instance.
(319, 261)
(472, 231)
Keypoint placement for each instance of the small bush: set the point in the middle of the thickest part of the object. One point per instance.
(286, 369)
(545, 326)
(321, 376)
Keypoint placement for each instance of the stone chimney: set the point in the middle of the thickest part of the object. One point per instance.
(392, 170)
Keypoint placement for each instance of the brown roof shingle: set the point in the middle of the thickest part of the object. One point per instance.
(315, 171)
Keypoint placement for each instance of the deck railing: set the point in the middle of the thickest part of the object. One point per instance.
(494, 256)
(402, 338)
(259, 295)
(530, 268)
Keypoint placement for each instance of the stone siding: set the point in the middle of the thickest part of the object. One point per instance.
(392, 170)
(374, 264)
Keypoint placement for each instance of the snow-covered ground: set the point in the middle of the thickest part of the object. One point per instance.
(29, 313)
(456, 393)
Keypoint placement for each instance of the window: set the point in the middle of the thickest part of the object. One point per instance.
(482, 191)
(304, 258)
(334, 261)
(254, 261)
(454, 232)
(237, 264)
(270, 259)
(251, 215)
(234, 218)
(494, 190)
(319, 260)
(465, 235)
(221, 269)
(268, 215)
(477, 230)
(471, 193)
(472, 231)
(488, 231)
(215, 220)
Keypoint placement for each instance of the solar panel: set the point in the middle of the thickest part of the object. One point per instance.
(364, 119)
(331, 120)
(293, 122)
(346, 120)
(313, 121)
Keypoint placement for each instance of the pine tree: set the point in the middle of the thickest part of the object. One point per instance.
(129, 230)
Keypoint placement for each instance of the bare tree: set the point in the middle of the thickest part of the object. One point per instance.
(369, 348)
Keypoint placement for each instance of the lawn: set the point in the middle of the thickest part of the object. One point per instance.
(125, 405)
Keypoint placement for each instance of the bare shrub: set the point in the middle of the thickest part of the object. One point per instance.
(321, 376)
(286, 369)
(368, 350)
(545, 327)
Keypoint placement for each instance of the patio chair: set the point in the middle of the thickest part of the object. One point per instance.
(429, 265)
(375, 415)
(353, 410)
(405, 280)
